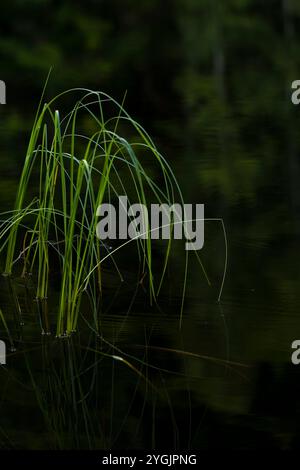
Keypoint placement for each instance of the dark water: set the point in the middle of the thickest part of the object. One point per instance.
(224, 379)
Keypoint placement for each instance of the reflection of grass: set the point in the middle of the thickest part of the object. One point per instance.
(89, 392)
(77, 171)
(72, 388)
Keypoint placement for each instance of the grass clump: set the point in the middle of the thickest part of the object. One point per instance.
(80, 160)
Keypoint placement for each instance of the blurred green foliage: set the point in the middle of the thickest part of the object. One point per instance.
(209, 79)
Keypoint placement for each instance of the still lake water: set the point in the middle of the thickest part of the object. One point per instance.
(224, 379)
